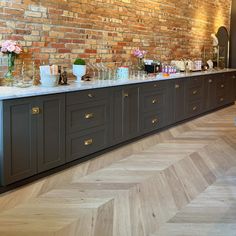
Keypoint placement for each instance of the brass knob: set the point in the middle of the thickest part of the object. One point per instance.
(194, 108)
(155, 85)
(88, 116)
(222, 99)
(88, 142)
(154, 121)
(154, 101)
(222, 86)
(194, 92)
(90, 95)
(177, 86)
(35, 110)
(234, 77)
(210, 81)
(126, 95)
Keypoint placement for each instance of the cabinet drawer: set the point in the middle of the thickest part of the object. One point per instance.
(194, 108)
(194, 93)
(221, 99)
(86, 96)
(153, 86)
(221, 85)
(86, 116)
(79, 146)
(152, 101)
(195, 82)
(151, 121)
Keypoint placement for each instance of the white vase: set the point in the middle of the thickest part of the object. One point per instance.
(79, 71)
(46, 78)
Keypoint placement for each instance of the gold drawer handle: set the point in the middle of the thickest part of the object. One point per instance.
(210, 81)
(89, 116)
(88, 142)
(154, 101)
(177, 86)
(154, 121)
(222, 86)
(90, 95)
(155, 85)
(126, 95)
(194, 92)
(222, 99)
(194, 108)
(234, 77)
(35, 110)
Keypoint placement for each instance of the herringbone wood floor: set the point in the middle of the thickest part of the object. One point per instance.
(179, 182)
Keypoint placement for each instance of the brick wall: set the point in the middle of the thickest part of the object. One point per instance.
(58, 31)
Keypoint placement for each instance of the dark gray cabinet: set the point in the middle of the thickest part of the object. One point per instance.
(125, 113)
(19, 144)
(44, 132)
(194, 96)
(210, 92)
(33, 136)
(51, 132)
(87, 122)
(178, 91)
(218, 91)
(155, 106)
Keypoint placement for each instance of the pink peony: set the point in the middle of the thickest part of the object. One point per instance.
(18, 50)
(10, 46)
(3, 49)
(139, 53)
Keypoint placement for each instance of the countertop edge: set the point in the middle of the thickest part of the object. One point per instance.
(14, 92)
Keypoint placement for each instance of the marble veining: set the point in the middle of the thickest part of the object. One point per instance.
(14, 92)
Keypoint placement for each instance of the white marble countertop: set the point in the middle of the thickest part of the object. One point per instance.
(15, 92)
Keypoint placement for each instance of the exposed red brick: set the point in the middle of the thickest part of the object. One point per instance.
(102, 30)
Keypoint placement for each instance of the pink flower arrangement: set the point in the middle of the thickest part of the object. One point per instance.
(10, 46)
(139, 53)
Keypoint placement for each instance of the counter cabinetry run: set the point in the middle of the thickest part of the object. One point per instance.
(44, 132)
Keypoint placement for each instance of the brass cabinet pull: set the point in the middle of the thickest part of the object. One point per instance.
(35, 110)
(155, 85)
(222, 86)
(126, 95)
(88, 115)
(194, 92)
(222, 99)
(177, 86)
(194, 108)
(154, 121)
(234, 77)
(154, 101)
(210, 81)
(88, 142)
(90, 95)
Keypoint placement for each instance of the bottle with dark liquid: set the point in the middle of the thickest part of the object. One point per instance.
(60, 76)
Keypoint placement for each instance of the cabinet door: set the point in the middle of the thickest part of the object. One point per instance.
(20, 140)
(130, 112)
(51, 131)
(179, 99)
(210, 92)
(117, 116)
(125, 113)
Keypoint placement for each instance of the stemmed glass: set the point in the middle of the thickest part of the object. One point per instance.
(103, 70)
(91, 66)
(97, 70)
